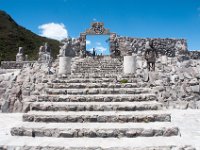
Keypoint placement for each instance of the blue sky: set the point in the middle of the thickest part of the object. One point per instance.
(135, 18)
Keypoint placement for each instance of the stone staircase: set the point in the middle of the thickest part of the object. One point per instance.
(87, 106)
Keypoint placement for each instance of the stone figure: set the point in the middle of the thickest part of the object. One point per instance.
(26, 57)
(44, 53)
(76, 46)
(47, 48)
(150, 55)
(67, 49)
(20, 55)
(114, 45)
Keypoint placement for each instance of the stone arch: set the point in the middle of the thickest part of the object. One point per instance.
(97, 28)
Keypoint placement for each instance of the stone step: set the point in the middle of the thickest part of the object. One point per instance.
(86, 75)
(108, 67)
(94, 80)
(83, 80)
(92, 91)
(97, 66)
(97, 98)
(92, 62)
(95, 130)
(98, 71)
(53, 143)
(95, 106)
(96, 116)
(172, 147)
(96, 62)
(96, 85)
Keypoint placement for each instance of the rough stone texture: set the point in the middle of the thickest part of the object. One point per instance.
(18, 86)
(97, 118)
(175, 84)
(100, 133)
(15, 65)
(96, 148)
(96, 98)
(94, 107)
(169, 47)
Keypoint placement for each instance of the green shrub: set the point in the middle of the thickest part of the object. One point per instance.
(124, 81)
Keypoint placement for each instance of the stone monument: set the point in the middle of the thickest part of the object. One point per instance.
(65, 55)
(20, 55)
(44, 54)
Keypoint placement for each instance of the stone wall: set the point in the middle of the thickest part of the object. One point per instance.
(18, 87)
(169, 47)
(194, 54)
(15, 65)
(176, 83)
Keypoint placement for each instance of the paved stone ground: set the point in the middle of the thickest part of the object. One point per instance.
(187, 120)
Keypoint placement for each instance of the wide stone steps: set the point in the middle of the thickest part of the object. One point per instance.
(94, 75)
(53, 143)
(95, 62)
(84, 80)
(95, 130)
(98, 66)
(95, 106)
(92, 91)
(96, 116)
(96, 80)
(172, 147)
(97, 98)
(97, 71)
(96, 85)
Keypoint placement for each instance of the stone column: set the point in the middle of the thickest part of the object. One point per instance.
(129, 64)
(64, 65)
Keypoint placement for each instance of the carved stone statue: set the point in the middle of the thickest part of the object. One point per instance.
(114, 45)
(20, 55)
(44, 54)
(67, 48)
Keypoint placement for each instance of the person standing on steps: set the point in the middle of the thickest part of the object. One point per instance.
(150, 56)
(93, 53)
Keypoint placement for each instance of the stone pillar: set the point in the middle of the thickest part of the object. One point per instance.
(65, 65)
(129, 64)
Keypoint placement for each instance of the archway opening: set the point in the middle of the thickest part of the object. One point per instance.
(99, 42)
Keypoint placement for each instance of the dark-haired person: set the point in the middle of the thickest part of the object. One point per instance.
(150, 56)
(93, 53)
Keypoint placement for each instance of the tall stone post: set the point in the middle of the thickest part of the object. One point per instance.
(129, 64)
(64, 65)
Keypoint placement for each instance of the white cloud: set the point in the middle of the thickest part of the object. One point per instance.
(88, 42)
(53, 30)
(94, 19)
(91, 49)
(98, 43)
(101, 49)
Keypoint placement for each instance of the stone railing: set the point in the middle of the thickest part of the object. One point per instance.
(165, 46)
(14, 64)
(194, 54)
